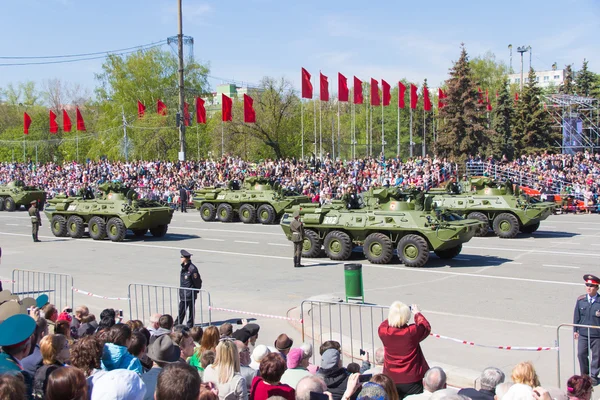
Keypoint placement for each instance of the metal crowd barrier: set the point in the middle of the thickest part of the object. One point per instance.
(58, 287)
(575, 359)
(354, 326)
(147, 299)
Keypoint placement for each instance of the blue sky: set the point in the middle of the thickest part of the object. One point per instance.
(246, 40)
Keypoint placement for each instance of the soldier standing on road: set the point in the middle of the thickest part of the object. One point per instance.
(587, 312)
(189, 279)
(36, 220)
(297, 238)
(183, 197)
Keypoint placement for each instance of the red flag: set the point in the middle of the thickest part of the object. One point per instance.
(249, 113)
(141, 109)
(66, 122)
(342, 88)
(487, 101)
(441, 96)
(161, 108)
(307, 88)
(516, 96)
(375, 100)
(200, 111)
(385, 88)
(53, 123)
(401, 95)
(80, 123)
(480, 101)
(426, 99)
(324, 88)
(226, 108)
(414, 97)
(26, 123)
(358, 94)
(186, 114)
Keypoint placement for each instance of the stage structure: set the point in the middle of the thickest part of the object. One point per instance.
(579, 120)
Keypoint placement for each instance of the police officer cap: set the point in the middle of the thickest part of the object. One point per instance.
(185, 254)
(16, 329)
(296, 213)
(594, 280)
(33, 202)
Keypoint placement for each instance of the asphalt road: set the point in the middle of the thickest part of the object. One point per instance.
(497, 292)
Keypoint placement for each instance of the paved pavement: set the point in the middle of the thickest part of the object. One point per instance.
(497, 292)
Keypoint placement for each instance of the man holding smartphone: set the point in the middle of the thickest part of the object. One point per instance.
(189, 278)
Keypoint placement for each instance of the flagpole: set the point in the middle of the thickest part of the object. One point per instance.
(222, 138)
(366, 124)
(302, 124)
(411, 132)
(382, 133)
(398, 135)
(77, 141)
(353, 144)
(315, 127)
(332, 139)
(320, 132)
(424, 134)
(339, 145)
(371, 131)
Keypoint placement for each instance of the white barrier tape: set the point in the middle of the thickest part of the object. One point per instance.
(97, 296)
(256, 314)
(7, 281)
(493, 347)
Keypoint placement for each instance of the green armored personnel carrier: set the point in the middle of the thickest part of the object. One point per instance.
(110, 214)
(16, 194)
(381, 224)
(256, 201)
(498, 206)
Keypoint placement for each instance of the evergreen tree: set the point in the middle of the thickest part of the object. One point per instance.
(503, 113)
(567, 87)
(463, 131)
(532, 127)
(585, 80)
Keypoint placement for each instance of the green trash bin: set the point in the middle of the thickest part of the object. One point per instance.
(354, 283)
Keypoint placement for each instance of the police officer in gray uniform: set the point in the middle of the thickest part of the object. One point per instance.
(189, 278)
(297, 238)
(587, 312)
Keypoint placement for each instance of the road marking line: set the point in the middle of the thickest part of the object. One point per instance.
(548, 226)
(513, 262)
(245, 241)
(13, 224)
(559, 266)
(504, 249)
(226, 230)
(279, 244)
(214, 240)
(588, 229)
(489, 319)
(566, 242)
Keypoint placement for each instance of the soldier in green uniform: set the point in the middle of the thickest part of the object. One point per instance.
(36, 220)
(452, 186)
(508, 185)
(297, 238)
(351, 199)
(419, 196)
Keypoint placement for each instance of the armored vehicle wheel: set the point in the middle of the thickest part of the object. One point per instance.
(338, 245)
(75, 226)
(378, 248)
(9, 204)
(247, 214)
(480, 232)
(208, 212)
(225, 212)
(448, 253)
(115, 229)
(312, 244)
(1, 204)
(266, 214)
(530, 228)
(97, 228)
(413, 251)
(138, 233)
(506, 226)
(159, 231)
(59, 226)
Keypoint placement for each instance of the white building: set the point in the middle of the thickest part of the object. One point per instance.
(544, 78)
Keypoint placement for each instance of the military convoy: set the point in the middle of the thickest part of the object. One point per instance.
(384, 222)
(256, 201)
(502, 208)
(16, 194)
(111, 214)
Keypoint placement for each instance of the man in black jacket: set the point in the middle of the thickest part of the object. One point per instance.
(183, 197)
(189, 279)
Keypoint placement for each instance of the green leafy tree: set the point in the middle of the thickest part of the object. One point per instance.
(488, 72)
(464, 129)
(585, 80)
(532, 126)
(568, 85)
(503, 113)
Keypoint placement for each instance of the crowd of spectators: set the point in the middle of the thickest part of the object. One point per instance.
(161, 180)
(114, 360)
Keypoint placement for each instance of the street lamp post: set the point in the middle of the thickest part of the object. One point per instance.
(522, 49)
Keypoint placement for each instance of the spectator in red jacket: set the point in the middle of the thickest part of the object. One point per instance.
(404, 361)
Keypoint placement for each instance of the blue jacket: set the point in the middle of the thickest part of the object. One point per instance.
(117, 357)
